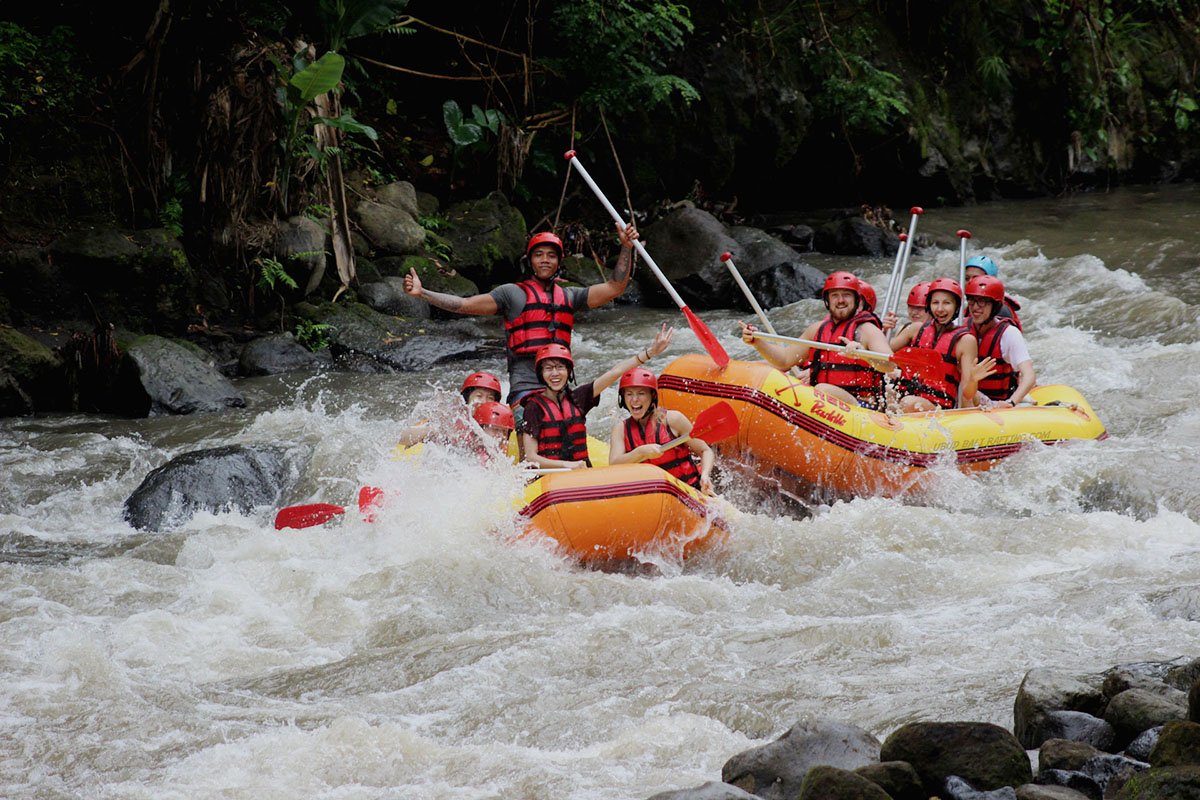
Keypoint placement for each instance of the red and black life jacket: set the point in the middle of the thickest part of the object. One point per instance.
(1003, 382)
(677, 461)
(546, 319)
(564, 430)
(851, 374)
(943, 392)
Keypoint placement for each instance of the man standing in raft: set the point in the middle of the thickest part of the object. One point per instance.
(537, 311)
(640, 437)
(999, 338)
(957, 347)
(848, 379)
(554, 431)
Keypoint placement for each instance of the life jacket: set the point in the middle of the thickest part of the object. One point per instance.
(943, 391)
(856, 377)
(1003, 382)
(546, 319)
(677, 461)
(564, 431)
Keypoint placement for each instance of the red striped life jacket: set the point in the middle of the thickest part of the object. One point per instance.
(1003, 382)
(677, 461)
(856, 377)
(546, 319)
(943, 392)
(564, 430)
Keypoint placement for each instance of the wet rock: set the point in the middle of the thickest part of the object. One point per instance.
(159, 376)
(1121, 680)
(1043, 691)
(1162, 783)
(1071, 779)
(985, 755)
(400, 195)
(775, 771)
(363, 339)
(772, 270)
(797, 236)
(487, 238)
(32, 376)
(1143, 744)
(1184, 676)
(897, 778)
(271, 355)
(1135, 710)
(831, 783)
(1104, 768)
(855, 236)
(1079, 727)
(1194, 702)
(1064, 754)
(301, 246)
(387, 297)
(706, 791)
(1033, 791)
(237, 477)
(955, 788)
(389, 229)
(1178, 745)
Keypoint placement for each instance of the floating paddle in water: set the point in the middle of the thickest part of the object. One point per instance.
(369, 501)
(706, 337)
(712, 425)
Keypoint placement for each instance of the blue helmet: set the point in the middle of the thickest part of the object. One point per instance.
(985, 264)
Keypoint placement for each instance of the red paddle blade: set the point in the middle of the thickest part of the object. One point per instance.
(716, 423)
(306, 516)
(706, 337)
(370, 500)
(919, 361)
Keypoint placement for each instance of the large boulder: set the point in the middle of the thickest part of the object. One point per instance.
(1079, 727)
(159, 376)
(772, 270)
(1178, 745)
(32, 376)
(776, 771)
(302, 246)
(897, 778)
(387, 297)
(1162, 783)
(363, 339)
(487, 238)
(389, 229)
(984, 755)
(855, 236)
(1135, 710)
(1046, 690)
(1064, 754)
(237, 477)
(280, 352)
(831, 783)
(706, 791)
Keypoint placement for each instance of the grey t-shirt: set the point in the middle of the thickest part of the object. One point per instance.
(510, 298)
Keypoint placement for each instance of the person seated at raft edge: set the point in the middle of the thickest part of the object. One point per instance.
(848, 379)
(957, 347)
(477, 388)
(554, 429)
(999, 338)
(639, 438)
(537, 311)
(978, 266)
(496, 420)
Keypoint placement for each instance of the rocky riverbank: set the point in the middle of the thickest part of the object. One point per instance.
(1132, 732)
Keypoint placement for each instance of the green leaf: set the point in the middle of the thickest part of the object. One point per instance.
(451, 114)
(461, 133)
(320, 76)
(1187, 104)
(390, 107)
(348, 123)
(347, 19)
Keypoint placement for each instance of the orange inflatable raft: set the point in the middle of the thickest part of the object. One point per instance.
(618, 513)
(813, 441)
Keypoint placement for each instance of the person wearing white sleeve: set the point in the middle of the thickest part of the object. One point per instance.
(999, 338)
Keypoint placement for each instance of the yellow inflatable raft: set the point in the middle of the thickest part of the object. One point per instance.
(790, 428)
(617, 513)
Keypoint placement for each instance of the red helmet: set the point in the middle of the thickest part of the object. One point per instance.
(496, 414)
(545, 237)
(944, 285)
(552, 351)
(840, 280)
(638, 376)
(918, 294)
(867, 293)
(480, 380)
(986, 286)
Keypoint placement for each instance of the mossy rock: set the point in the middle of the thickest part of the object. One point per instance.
(436, 280)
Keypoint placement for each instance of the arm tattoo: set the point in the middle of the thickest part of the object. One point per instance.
(448, 302)
(621, 271)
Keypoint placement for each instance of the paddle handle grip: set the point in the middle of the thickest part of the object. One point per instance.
(573, 160)
(839, 348)
(678, 440)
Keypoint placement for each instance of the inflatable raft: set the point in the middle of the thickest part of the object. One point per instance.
(623, 512)
(795, 431)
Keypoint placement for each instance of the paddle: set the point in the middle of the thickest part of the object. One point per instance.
(887, 297)
(896, 287)
(762, 315)
(712, 425)
(369, 500)
(962, 272)
(915, 357)
(706, 337)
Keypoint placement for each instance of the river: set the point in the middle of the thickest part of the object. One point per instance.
(426, 656)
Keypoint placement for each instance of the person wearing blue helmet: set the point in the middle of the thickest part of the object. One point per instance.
(982, 265)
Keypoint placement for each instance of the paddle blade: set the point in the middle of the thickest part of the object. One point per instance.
(716, 423)
(919, 361)
(370, 500)
(706, 337)
(306, 516)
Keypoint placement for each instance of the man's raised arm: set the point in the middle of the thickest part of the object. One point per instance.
(479, 304)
